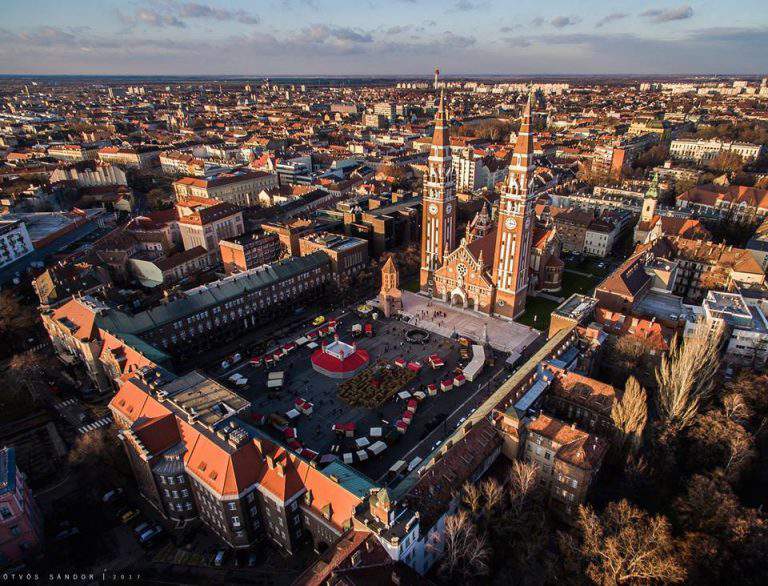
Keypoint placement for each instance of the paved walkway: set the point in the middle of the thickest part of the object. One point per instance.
(503, 335)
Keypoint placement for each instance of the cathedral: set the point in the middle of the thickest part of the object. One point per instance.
(491, 270)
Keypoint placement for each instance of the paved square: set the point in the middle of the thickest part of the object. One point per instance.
(502, 335)
(435, 417)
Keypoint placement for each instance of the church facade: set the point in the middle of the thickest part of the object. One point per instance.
(490, 269)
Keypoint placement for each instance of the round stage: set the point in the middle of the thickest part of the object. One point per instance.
(339, 360)
(417, 336)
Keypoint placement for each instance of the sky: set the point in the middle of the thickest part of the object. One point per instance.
(382, 37)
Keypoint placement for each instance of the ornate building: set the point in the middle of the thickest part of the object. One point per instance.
(438, 234)
(489, 270)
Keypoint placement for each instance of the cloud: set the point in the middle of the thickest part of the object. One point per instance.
(564, 21)
(668, 15)
(538, 21)
(322, 33)
(198, 10)
(172, 13)
(323, 49)
(469, 5)
(613, 17)
(510, 28)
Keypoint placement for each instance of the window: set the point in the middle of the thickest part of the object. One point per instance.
(236, 521)
(5, 512)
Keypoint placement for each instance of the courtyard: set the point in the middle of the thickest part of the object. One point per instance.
(280, 411)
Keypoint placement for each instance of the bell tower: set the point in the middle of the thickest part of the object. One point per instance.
(438, 220)
(515, 224)
(650, 200)
(390, 296)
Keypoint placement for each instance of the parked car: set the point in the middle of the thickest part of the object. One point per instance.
(111, 495)
(150, 534)
(128, 516)
(319, 320)
(141, 528)
(218, 559)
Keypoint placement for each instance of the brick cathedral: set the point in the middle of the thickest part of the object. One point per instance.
(489, 269)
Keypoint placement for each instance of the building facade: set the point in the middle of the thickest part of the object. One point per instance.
(20, 519)
(491, 273)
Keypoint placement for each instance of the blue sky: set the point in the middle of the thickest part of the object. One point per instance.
(382, 37)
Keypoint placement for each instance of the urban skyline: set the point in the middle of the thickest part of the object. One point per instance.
(336, 37)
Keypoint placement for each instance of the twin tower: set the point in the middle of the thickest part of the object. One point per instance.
(489, 274)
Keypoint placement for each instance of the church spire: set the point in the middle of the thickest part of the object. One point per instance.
(441, 137)
(524, 144)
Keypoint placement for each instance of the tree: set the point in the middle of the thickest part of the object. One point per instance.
(493, 495)
(629, 415)
(471, 498)
(16, 319)
(750, 386)
(98, 458)
(524, 483)
(653, 157)
(708, 504)
(629, 355)
(715, 441)
(727, 162)
(687, 375)
(157, 197)
(623, 545)
(465, 554)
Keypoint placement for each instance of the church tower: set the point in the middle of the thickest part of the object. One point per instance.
(438, 220)
(390, 297)
(650, 200)
(515, 224)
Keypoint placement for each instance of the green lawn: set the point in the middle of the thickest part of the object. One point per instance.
(573, 283)
(537, 313)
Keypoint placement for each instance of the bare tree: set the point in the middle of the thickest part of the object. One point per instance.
(99, 458)
(736, 409)
(523, 483)
(623, 545)
(687, 375)
(471, 497)
(466, 554)
(493, 495)
(629, 415)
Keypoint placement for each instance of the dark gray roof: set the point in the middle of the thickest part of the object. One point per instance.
(210, 295)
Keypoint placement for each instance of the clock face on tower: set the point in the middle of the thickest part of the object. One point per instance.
(448, 208)
(510, 223)
(432, 209)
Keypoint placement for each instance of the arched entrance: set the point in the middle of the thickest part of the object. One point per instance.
(459, 298)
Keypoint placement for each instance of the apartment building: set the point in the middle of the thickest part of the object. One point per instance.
(472, 171)
(734, 202)
(14, 241)
(204, 222)
(178, 163)
(745, 326)
(141, 157)
(701, 151)
(241, 187)
(190, 322)
(250, 250)
(194, 457)
(73, 152)
(20, 520)
(571, 227)
(568, 459)
(348, 255)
